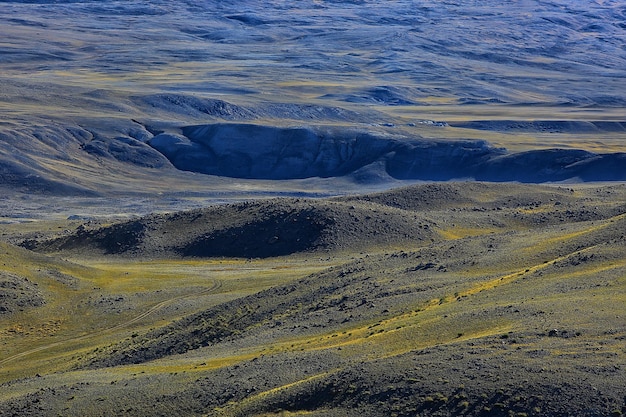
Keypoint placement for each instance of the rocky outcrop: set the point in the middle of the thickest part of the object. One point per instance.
(275, 227)
(18, 293)
(549, 126)
(263, 152)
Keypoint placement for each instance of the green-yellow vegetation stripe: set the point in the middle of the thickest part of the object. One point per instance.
(171, 365)
(554, 241)
(286, 413)
(261, 396)
(357, 335)
(607, 266)
(144, 314)
(455, 233)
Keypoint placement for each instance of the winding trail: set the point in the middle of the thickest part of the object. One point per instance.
(216, 285)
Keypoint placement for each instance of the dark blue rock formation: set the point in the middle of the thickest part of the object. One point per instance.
(263, 152)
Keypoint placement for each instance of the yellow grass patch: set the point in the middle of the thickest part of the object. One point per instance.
(263, 395)
(459, 232)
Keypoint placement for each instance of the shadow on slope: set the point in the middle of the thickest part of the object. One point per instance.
(264, 152)
(432, 346)
(267, 237)
(552, 126)
(463, 326)
(248, 230)
(388, 284)
(112, 240)
(28, 178)
(409, 216)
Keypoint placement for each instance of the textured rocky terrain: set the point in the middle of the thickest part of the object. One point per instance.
(260, 152)
(17, 293)
(449, 299)
(226, 208)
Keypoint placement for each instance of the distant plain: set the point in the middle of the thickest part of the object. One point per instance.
(84, 85)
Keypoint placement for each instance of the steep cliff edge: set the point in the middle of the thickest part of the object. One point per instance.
(275, 153)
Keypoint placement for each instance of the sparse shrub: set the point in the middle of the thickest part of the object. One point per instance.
(441, 398)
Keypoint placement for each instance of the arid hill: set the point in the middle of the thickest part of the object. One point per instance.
(255, 229)
(275, 227)
(454, 299)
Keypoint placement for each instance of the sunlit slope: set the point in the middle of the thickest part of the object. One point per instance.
(53, 310)
(516, 305)
(43, 300)
(403, 286)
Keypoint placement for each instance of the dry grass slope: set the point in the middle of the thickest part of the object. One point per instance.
(459, 299)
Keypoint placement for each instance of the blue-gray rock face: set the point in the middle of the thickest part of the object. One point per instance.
(262, 152)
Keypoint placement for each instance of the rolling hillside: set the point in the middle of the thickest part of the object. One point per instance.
(501, 300)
